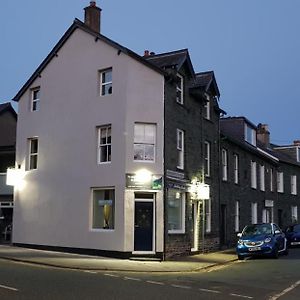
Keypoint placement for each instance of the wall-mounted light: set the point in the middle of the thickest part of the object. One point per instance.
(14, 176)
(199, 190)
(143, 176)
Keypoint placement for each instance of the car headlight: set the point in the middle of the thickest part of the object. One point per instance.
(240, 242)
(268, 240)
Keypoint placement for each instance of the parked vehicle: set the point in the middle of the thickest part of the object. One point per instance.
(261, 239)
(292, 234)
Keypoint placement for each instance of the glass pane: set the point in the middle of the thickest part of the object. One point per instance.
(149, 152)
(107, 76)
(33, 162)
(150, 133)
(174, 211)
(103, 209)
(36, 94)
(103, 136)
(33, 146)
(103, 153)
(139, 133)
(138, 150)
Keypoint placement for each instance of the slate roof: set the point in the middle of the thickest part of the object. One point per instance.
(206, 80)
(171, 59)
(7, 107)
(78, 24)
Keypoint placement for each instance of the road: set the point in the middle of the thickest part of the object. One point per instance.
(268, 279)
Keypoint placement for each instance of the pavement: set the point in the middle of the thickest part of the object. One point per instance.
(96, 263)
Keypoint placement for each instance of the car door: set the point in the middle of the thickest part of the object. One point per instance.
(279, 236)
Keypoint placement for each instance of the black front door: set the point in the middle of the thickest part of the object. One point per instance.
(143, 226)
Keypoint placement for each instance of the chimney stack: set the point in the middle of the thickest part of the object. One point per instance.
(263, 134)
(92, 16)
(297, 143)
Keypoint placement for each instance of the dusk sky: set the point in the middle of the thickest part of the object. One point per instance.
(252, 46)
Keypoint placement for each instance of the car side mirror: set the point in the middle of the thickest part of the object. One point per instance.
(239, 234)
(277, 232)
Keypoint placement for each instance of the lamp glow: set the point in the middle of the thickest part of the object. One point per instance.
(143, 176)
(199, 191)
(14, 177)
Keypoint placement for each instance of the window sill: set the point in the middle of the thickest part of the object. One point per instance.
(176, 231)
(101, 230)
(144, 161)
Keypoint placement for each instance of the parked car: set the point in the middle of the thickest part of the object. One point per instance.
(292, 234)
(261, 239)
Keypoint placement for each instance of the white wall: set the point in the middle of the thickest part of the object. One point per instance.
(54, 205)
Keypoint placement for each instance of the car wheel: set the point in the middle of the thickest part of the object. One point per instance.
(240, 257)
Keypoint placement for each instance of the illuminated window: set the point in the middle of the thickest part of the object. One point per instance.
(104, 144)
(294, 214)
(103, 209)
(144, 142)
(35, 99)
(106, 82)
(176, 211)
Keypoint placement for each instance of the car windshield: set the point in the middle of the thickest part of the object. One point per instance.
(257, 229)
(296, 228)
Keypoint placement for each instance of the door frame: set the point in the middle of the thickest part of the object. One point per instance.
(152, 200)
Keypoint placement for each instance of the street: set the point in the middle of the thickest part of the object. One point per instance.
(260, 278)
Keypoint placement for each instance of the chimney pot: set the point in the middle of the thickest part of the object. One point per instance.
(297, 142)
(146, 53)
(93, 3)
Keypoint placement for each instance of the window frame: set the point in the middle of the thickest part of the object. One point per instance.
(253, 174)
(107, 145)
(35, 102)
(182, 211)
(294, 184)
(207, 115)
(33, 156)
(280, 183)
(207, 157)
(262, 178)
(144, 143)
(236, 168)
(224, 160)
(237, 216)
(180, 148)
(179, 88)
(102, 87)
(254, 213)
(250, 134)
(294, 213)
(96, 229)
(271, 180)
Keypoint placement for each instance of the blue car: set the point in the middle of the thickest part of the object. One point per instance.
(261, 239)
(292, 234)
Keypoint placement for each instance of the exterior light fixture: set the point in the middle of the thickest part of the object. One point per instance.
(14, 176)
(199, 190)
(143, 176)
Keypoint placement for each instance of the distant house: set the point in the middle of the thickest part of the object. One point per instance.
(258, 183)
(8, 123)
(114, 147)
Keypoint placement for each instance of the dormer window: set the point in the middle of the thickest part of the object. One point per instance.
(250, 135)
(35, 99)
(179, 89)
